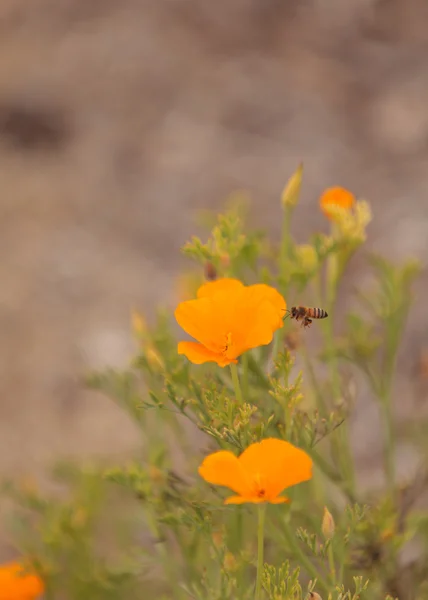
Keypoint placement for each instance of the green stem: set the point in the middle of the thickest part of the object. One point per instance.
(258, 372)
(314, 383)
(49, 595)
(236, 384)
(388, 424)
(331, 564)
(284, 249)
(245, 374)
(161, 549)
(342, 564)
(393, 334)
(345, 455)
(333, 475)
(260, 548)
(239, 400)
(276, 344)
(301, 558)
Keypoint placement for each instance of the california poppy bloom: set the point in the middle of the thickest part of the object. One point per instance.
(227, 318)
(336, 197)
(17, 584)
(260, 473)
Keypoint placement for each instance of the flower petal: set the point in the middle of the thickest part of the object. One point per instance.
(255, 500)
(276, 464)
(229, 318)
(198, 354)
(195, 317)
(244, 500)
(280, 500)
(236, 500)
(15, 582)
(252, 315)
(260, 325)
(336, 196)
(259, 331)
(211, 288)
(212, 320)
(224, 468)
(267, 292)
(259, 294)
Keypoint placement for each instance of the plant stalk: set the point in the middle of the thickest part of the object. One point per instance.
(346, 459)
(260, 549)
(388, 425)
(236, 384)
(245, 375)
(302, 559)
(331, 564)
(284, 251)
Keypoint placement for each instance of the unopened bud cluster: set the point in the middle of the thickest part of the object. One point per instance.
(352, 224)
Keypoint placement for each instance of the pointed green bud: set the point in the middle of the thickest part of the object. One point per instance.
(290, 195)
(327, 526)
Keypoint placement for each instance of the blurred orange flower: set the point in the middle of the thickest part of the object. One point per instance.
(336, 197)
(260, 473)
(227, 318)
(18, 584)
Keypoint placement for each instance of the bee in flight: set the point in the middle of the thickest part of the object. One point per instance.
(305, 314)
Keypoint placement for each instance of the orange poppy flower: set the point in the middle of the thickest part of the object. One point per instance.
(17, 584)
(336, 197)
(227, 318)
(260, 473)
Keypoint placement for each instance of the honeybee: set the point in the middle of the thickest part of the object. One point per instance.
(305, 314)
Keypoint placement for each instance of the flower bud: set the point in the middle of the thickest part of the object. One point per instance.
(352, 226)
(139, 324)
(218, 538)
(155, 474)
(79, 518)
(314, 596)
(388, 533)
(210, 271)
(307, 257)
(327, 526)
(290, 195)
(230, 562)
(154, 358)
(336, 201)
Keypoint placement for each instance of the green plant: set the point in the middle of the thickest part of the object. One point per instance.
(294, 389)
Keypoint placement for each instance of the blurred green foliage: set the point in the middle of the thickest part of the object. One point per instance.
(149, 530)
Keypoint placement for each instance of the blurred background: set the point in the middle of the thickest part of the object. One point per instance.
(121, 119)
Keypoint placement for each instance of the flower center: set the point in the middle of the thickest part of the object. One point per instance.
(228, 343)
(260, 486)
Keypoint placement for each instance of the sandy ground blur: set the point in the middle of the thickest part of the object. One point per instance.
(119, 119)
